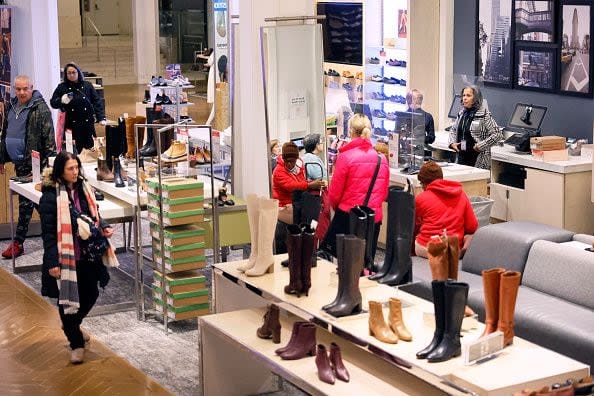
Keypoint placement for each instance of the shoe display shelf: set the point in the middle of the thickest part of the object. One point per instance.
(173, 98)
(521, 365)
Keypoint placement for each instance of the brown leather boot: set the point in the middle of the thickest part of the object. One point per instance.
(396, 322)
(437, 251)
(271, 328)
(508, 291)
(377, 325)
(491, 289)
(453, 256)
(294, 243)
(325, 372)
(130, 146)
(340, 371)
(103, 171)
(304, 343)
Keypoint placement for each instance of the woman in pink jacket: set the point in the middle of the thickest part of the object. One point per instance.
(352, 176)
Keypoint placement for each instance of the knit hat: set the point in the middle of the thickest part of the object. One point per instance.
(290, 151)
(429, 172)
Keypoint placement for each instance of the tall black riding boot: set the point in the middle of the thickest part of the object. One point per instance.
(401, 213)
(438, 305)
(456, 296)
(339, 269)
(111, 132)
(308, 256)
(294, 242)
(369, 238)
(350, 301)
(117, 173)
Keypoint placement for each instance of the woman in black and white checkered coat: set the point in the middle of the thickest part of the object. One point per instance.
(475, 131)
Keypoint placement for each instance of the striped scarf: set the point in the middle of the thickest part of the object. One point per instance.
(68, 283)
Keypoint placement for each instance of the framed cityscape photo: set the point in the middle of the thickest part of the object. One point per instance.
(494, 57)
(575, 58)
(534, 21)
(535, 67)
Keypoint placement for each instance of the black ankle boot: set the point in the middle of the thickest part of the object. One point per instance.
(147, 97)
(117, 173)
(149, 149)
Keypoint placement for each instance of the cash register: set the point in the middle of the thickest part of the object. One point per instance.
(524, 123)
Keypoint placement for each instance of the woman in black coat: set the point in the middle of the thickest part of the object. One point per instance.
(64, 250)
(82, 104)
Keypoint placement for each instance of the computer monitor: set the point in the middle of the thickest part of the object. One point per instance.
(527, 116)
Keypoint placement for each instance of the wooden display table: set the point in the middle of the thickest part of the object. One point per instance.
(519, 366)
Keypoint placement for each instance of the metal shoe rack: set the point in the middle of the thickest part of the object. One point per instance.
(175, 201)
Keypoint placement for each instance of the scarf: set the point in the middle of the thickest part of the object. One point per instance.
(68, 282)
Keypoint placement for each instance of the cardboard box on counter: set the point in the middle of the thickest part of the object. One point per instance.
(546, 143)
(551, 155)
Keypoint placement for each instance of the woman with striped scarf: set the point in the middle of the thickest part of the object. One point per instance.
(66, 273)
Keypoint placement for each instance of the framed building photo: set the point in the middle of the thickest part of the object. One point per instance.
(535, 67)
(534, 21)
(494, 58)
(575, 60)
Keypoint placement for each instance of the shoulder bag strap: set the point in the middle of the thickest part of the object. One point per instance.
(377, 167)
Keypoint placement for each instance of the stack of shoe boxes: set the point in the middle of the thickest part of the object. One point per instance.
(183, 240)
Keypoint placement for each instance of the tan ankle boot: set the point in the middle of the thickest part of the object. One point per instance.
(491, 279)
(377, 325)
(396, 322)
(437, 250)
(508, 292)
(266, 228)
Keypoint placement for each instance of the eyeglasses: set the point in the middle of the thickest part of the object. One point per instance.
(72, 73)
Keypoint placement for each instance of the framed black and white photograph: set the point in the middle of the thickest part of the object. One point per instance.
(535, 68)
(494, 57)
(575, 60)
(534, 21)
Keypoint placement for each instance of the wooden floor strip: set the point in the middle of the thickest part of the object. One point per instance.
(34, 360)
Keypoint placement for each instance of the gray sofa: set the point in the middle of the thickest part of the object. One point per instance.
(555, 305)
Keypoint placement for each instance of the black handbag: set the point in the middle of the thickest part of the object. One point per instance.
(362, 221)
(307, 205)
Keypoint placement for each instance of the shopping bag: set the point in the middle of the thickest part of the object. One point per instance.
(59, 135)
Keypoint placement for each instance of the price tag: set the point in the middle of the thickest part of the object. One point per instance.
(36, 166)
(68, 135)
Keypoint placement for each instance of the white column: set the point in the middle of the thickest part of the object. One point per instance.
(446, 61)
(146, 39)
(251, 147)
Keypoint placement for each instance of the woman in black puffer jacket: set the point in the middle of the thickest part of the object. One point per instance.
(82, 104)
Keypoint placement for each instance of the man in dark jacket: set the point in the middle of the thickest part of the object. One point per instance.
(414, 101)
(27, 126)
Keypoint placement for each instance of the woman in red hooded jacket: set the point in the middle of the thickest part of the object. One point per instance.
(353, 173)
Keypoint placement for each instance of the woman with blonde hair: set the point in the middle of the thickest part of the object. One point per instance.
(352, 178)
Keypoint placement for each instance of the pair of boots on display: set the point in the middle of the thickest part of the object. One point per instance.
(397, 266)
(449, 301)
(262, 218)
(104, 173)
(444, 252)
(271, 328)
(301, 249)
(330, 365)
(301, 343)
(149, 149)
(501, 290)
(395, 329)
(350, 254)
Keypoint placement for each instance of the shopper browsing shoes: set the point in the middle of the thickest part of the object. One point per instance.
(70, 270)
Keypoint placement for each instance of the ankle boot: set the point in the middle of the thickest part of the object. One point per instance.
(117, 173)
(340, 370)
(294, 333)
(397, 267)
(508, 291)
(271, 328)
(396, 322)
(453, 256)
(307, 257)
(325, 372)
(437, 250)
(348, 286)
(147, 97)
(149, 149)
(103, 172)
(491, 290)
(437, 288)
(340, 268)
(294, 248)
(267, 226)
(304, 343)
(455, 295)
(253, 211)
(377, 325)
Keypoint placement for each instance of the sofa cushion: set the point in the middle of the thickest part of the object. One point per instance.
(555, 324)
(584, 238)
(507, 245)
(561, 271)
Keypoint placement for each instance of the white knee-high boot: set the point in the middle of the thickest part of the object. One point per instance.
(253, 211)
(267, 227)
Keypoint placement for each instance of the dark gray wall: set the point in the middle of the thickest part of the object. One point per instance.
(566, 116)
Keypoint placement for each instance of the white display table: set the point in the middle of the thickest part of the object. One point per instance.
(555, 193)
(519, 366)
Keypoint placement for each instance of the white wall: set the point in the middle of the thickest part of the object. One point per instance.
(35, 46)
(125, 20)
(146, 39)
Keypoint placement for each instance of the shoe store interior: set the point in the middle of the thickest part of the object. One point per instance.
(307, 197)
